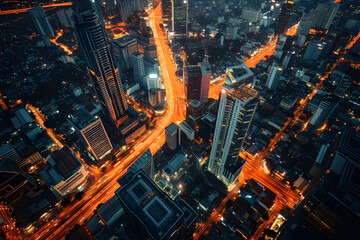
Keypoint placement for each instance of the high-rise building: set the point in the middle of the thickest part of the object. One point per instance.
(41, 22)
(273, 79)
(192, 78)
(172, 134)
(137, 62)
(314, 50)
(286, 9)
(205, 79)
(180, 17)
(325, 13)
(324, 111)
(122, 48)
(236, 110)
(94, 45)
(92, 132)
(167, 8)
(305, 22)
(125, 9)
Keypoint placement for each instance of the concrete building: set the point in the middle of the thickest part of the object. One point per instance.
(92, 132)
(236, 110)
(64, 173)
(314, 50)
(173, 171)
(283, 21)
(238, 74)
(153, 81)
(325, 13)
(273, 79)
(153, 214)
(145, 162)
(231, 33)
(41, 22)
(192, 78)
(205, 79)
(324, 111)
(305, 22)
(122, 48)
(172, 134)
(187, 130)
(251, 15)
(167, 9)
(137, 62)
(180, 17)
(194, 112)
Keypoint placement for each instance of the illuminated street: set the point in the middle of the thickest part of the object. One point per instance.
(174, 119)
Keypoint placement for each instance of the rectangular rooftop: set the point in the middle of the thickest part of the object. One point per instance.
(151, 206)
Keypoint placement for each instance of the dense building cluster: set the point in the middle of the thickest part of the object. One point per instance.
(179, 119)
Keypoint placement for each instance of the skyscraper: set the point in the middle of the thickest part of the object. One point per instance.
(325, 13)
(192, 78)
(41, 22)
(305, 22)
(274, 77)
(92, 132)
(284, 16)
(167, 7)
(236, 110)
(180, 17)
(94, 45)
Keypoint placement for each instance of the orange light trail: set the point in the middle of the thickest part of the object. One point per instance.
(64, 47)
(22, 10)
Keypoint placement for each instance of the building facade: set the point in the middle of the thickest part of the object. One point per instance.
(92, 132)
(91, 36)
(236, 110)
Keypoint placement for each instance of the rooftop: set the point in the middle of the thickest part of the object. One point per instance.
(81, 118)
(141, 161)
(172, 128)
(193, 71)
(124, 40)
(244, 93)
(237, 73)
(151, 206)
(195, 103)
(175, 162)
(61, 165)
